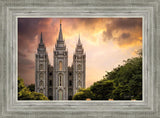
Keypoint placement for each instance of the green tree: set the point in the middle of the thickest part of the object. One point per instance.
(83, 94)
(122, 83)
(25, 94)
(127, 80)
(20, 84)
(31, 87)
(102, 90)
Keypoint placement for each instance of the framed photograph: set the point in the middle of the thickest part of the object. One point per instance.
(80, 59)
(71, 68)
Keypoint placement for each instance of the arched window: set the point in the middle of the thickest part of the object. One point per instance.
(60, 95)
(41, 83)
(70, 82)
(50, 73)
(60, 65)
(70, 74)
(79, 84)
(41, 76)
(50, 82)
(60, 79)
(79, 67)
(79, 76)
(41, 66)
(41, 91)
(50, 92)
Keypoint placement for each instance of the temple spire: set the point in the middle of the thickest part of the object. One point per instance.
(41, 47)
(79, 41)
(41, 40)
(60, 38)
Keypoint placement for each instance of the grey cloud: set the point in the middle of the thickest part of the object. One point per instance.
(125, 35)
(131, 25)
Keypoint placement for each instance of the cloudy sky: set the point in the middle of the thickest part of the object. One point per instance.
(106, 41)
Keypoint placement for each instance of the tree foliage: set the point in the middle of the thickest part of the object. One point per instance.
(24, 93)
(102, 89)
(83, 94)
(122, 83)
(31, 87)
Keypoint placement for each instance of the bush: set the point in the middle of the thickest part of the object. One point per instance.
(24, 93)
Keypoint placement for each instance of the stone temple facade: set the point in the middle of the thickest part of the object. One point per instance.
(60, 81)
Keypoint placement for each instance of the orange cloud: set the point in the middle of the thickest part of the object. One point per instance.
(124, 31)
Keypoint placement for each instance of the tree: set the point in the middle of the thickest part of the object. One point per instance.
(31, 87)
(102, 90)
(122, 83)
(20, 84)
(83, 94)
(25, 94)
(127, 80)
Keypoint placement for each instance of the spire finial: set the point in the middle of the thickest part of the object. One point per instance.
(60, 21)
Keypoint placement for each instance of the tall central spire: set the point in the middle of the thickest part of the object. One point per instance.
(60, 38)
(60, 42)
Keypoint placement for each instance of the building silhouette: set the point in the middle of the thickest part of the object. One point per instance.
(60, 81)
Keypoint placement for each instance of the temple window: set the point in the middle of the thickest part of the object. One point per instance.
(60, 80)
(60, 65)
(50, 82)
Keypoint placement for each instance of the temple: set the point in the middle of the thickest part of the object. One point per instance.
(60, 81)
